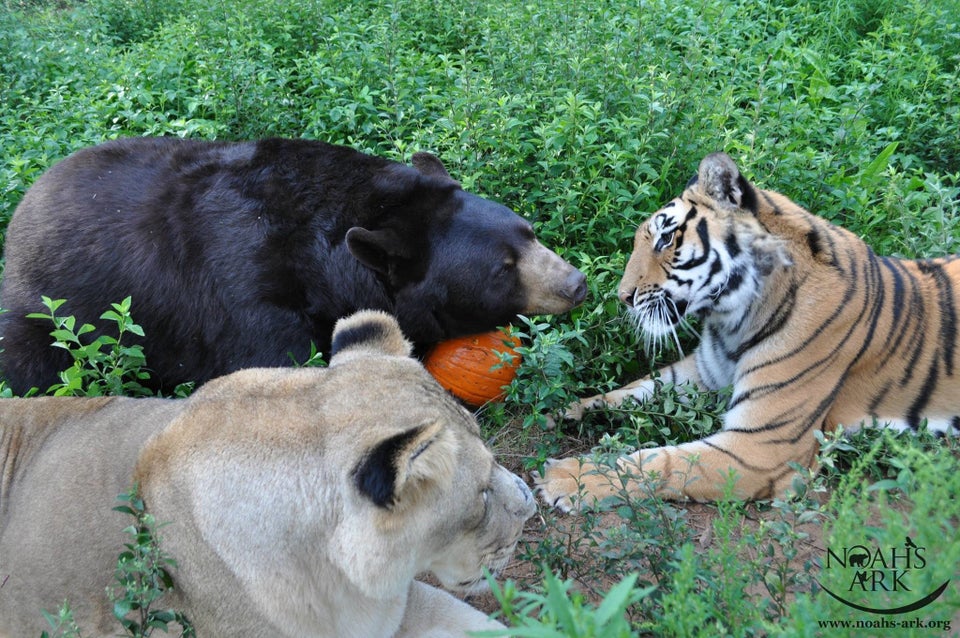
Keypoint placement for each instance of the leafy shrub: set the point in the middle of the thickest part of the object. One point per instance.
(142, 576)
(102, 365)
(558, 613)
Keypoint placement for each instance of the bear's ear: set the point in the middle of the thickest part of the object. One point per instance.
(400, 188)
(368, 332)
(402, 467)
(720, 180)
(376, 249)
(428, 164)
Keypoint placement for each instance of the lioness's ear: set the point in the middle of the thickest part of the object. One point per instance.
(720, 180)
(367, 332)
(398, 468)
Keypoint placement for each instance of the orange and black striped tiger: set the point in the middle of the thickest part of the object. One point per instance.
(808, 326)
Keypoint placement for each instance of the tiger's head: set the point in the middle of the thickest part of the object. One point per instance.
(703, 254)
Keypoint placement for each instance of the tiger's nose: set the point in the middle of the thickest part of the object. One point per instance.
(627, 295)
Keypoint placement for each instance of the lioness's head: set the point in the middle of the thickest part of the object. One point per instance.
(368, 473)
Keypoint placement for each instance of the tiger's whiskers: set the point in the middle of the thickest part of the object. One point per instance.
(652, 319)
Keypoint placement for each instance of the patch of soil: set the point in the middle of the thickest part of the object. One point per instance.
(590, 576)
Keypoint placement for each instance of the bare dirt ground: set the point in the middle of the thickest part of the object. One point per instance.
(591, 578)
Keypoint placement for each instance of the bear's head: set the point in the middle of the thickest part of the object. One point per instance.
(457, 263)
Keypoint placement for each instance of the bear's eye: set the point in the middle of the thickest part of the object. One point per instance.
(506, 266)
(664, 241)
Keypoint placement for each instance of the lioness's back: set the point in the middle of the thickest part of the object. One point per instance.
(43, 442)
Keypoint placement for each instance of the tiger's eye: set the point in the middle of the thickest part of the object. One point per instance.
(664, 241)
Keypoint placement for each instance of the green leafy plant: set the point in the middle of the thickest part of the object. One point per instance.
(103, 365)
(560, 612)
(62, 625)
(916, 505)
(143, 576)
(542, 382)
(315, 359)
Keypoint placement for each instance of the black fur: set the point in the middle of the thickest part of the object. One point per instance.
(370, 331)
(748, 196)
(376, 475)
(242, 254)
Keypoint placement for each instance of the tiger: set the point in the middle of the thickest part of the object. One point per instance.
(801, 320)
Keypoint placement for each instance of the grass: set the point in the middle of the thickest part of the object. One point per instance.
(583, 117)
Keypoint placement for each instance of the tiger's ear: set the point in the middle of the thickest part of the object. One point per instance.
(720, 180)
(403, 466)
(769, 252)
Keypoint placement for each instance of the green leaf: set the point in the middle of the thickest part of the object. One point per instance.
(616, 600)
(558, 600)
(879, 163)
(121, 608)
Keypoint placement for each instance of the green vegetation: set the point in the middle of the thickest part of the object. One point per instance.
(103, 365)
(583, 117)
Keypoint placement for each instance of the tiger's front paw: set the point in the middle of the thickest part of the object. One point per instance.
(561, 485)
(576, 410)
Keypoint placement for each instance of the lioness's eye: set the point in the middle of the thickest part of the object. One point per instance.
(485, 497)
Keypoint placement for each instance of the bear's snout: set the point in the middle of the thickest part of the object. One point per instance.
(575, 288)
(551, 284)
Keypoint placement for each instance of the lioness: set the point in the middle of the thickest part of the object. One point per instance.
(301, 502)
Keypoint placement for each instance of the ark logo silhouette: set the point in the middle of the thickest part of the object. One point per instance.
(859, 571)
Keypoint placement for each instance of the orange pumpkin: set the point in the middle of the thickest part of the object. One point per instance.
(465, 366)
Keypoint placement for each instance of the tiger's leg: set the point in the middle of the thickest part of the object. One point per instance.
(563, 479)
(681, 372)
(699, 470)
(763, 434)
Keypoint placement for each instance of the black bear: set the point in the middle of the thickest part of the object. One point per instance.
(240, 254)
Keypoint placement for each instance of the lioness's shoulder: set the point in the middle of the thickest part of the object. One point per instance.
(25, 427)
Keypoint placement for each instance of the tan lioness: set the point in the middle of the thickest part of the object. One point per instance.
(300, 502)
